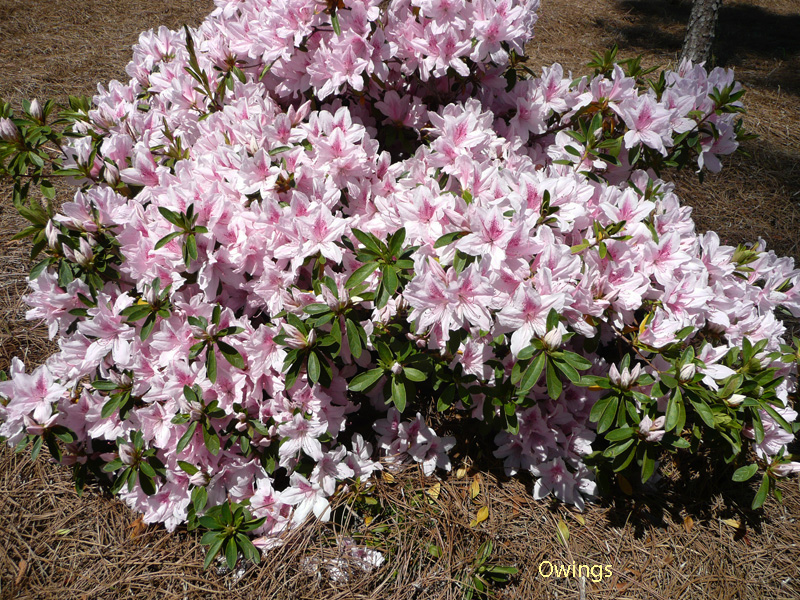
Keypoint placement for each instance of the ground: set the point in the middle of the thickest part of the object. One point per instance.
(694, 538)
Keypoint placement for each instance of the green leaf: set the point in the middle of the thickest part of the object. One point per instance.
(188, 468)
(111, 406)
(316, 308)
(186, 437)
(231, 354)
(398, 394)
(167, 239)
(279, 150)
(608, 414)
(191, 246)
(173, 217)
(673, 410)
(136, 312)
(761, 495)
(313, 367)
(364, 381)
(353, 338)
(211, 364)
(360, 274)
(648, 465)
(396, 241)
(623, 433)
(213, 551)
(39, 268)
(389, 279)
(705, 412)
(211, 440)
(532, 373)
(449, 238)
(147, 326)
(745, 473)
(370, 242)
(576, 360)
(414, 374)
(554, 385)
(568, 370)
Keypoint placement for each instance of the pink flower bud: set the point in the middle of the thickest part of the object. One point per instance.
(84, 255)
(36, 110)
(397, 368)
(126, 454)
(51, 233)
(735, 400)
(111, 174)
(784, 469)
(8, 131)
(687, 372)
(31, 426)
(553, 339)
(200, 479)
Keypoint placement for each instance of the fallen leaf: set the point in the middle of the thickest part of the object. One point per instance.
(388, 477)
(23, 567)
(461, 473)
(474, 488)
(483, 514)
(367, 521)
(137, 527)
(434, 490)
(579, 518)
(563, 531)
(63, 531)
(735, 523)
(688, 523)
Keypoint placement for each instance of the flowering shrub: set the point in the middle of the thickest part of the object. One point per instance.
(307, 226)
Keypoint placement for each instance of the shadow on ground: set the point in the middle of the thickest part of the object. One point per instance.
(744, 32)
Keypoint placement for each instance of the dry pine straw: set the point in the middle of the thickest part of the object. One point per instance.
(695, 538)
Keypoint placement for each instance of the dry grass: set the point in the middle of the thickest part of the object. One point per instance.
(681, 542)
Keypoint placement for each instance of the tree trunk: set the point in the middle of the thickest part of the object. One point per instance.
(700, 31)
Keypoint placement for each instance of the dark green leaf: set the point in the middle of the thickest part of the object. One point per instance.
(231, 354)
(745, 473)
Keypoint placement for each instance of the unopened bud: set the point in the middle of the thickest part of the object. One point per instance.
(84, 255)
(32, 427)
(195, 413)
(687, 372)
(35, 110)
(51, 232)
(111, 175)
(785, 469)
(8, 131)
(735, 400)
(126, 453)
(397, 368)
(553, 339)
(200, 479)
(311, 337)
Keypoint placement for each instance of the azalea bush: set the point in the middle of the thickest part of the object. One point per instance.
(307, 228)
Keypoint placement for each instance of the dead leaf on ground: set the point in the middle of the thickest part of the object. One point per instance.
(434, 491)
(688, 523)
(137, 528)
(23, 567)
(483, 514)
